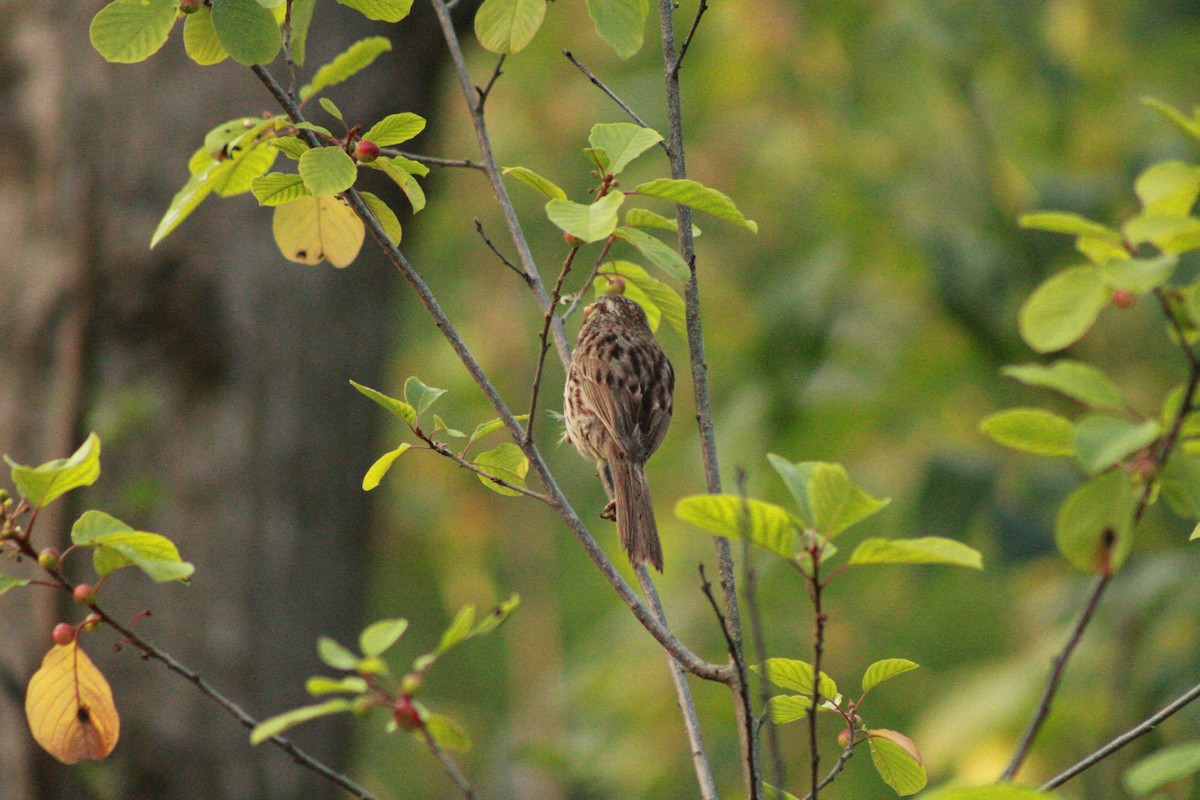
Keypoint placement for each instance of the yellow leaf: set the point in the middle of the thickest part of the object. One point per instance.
(70, 709)
(314, 229)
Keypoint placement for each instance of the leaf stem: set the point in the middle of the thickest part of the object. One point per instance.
(448, 764)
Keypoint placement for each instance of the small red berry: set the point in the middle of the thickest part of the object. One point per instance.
(1123, 298)
(63, 634)
(92, 621)
(615, 285)
(366, 151)
(190, 6)
(844, 737)
(50, 559)
(406, 714)
(573, 240)
(84, 594)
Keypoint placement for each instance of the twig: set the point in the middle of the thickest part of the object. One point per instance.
(846, 755)
(1163, 452)
(687, 706)
(442, 449)
(818, 652)
(492, 169)
(503, 259)
(688, 41)
(690, 661)
(750, 591)
(1116, 744)
(545, 340)
(448, 764)
(487, 90)
(612, 95)
(431, 160)
(699, 367)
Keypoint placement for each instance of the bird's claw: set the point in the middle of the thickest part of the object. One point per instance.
(610, 511)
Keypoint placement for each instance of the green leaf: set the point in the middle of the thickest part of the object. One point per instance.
(773, 793)
(1162, 768)
(1102, 440)
(506, 462)
(302, 14)
(484, 428)
(187, 199)
(926, 550)
(93, 525)
(247, 31)
(1075, 379)
(331, 109)
(278, 188)
(1172, 235)
(410, 166)
(897, 761)
(769, 526)
(381, 466)
(699, 197)
(346, 65)
(657, 252)
(378, 637)
(884, 670)
(395, 129)
(507, 26)
(398, 407)
(785, 708)
(795, 675)
(645, 218)
(9, 582)
(200, 38)
(496, 617)
(665, 299)
(319, 685)
(999, 791)
(291, 146)
(1188, 127)
(447, 733)
(420, 396)
(1072, 224)
(241, 170)
(623, 141)
(1094, 526)
(1168, 189)
(1062, 309)
(439, 424)
(44, 484)
(274, 726)
(327, 171)
(387, 218)
(153, 554)
(1031, 430)
(128, 31)
(335, 655)
(828, 500)
(395, 168)
(590, 223)
(1181, 485)
(604, 284)
(621, 23)
(532, 179)
(382, 10)
(1139, 275)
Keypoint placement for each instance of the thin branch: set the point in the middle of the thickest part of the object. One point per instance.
(1159, 459)
(818, 652)
(545, 338)
(487, 90)
(503, 259)
(492, 169)
(448, 764)
(1141, 729)
(442, 449)
(690, 661)
(688, 41)
(846, 755)
(750, 590)
(431, 160)
(612, 95)
(687, 706)
(1060, 665)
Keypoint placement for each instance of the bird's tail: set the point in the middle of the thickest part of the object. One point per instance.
(635, 515)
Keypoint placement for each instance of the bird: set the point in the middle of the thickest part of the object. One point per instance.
(617, 406)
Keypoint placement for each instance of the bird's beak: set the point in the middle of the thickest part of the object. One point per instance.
(587, 310)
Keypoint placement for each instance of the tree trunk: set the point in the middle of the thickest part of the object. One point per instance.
(216, 374)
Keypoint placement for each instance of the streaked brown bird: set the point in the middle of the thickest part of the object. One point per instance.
(617, 407)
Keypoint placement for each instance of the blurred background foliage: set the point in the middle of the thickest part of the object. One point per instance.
(885, 147)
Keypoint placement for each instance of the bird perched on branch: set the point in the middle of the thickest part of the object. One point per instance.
(617, 407)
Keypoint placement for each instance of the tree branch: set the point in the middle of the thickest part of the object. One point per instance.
(599, 84)
(846, 755)
(449, 765)
(688, 41)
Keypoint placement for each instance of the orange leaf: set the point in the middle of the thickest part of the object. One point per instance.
(70, 709)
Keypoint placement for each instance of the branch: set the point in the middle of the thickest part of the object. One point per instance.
(503, 259)
(688, 41)
(448, 764)
(690, 661)
(432, 161)
(544, 338)
(486, 90)
(1116, 744)
(846, 755)
(1159, 459)
(818, 651)
(612, 95)
(687, 706)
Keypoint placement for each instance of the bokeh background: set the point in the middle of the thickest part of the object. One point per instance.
(885, 149)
